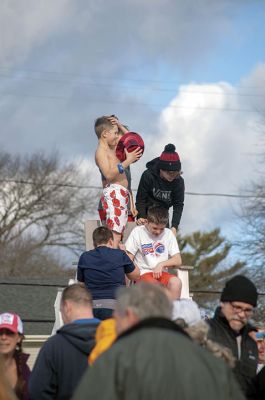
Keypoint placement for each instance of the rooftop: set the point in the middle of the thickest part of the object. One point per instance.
(33, 300)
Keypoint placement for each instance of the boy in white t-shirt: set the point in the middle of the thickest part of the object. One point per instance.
(154, 248)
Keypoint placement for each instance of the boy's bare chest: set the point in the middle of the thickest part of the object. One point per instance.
(111, 156)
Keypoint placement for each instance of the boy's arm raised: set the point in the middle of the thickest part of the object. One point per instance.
(115, 121)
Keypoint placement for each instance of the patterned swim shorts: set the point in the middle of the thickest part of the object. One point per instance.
(115, 202)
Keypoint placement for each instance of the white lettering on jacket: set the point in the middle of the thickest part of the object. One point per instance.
(162, 194)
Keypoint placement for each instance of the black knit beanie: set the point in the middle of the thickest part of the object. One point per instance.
(240, 288)
(169, 159)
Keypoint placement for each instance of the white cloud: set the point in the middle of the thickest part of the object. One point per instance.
(218, 147)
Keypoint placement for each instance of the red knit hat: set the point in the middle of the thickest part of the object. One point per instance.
(169, 159)
(130, 141)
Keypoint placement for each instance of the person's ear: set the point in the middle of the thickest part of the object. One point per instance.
(104, 133)
(67, 306)
(65, 309)
(131, 316)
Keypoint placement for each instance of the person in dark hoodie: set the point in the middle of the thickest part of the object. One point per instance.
(161, 184)
(63, 358)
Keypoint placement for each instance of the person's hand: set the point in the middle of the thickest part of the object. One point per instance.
(134, 212)
(133, 156)
(174, 230)
(114, 120)
(141, 221)
(122, 246)
(157, 271)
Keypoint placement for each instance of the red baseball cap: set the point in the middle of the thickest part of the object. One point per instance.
(12, 322)
(130, 141)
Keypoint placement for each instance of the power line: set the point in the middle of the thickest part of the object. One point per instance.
(223, 195)
(114, 101)
(114, 78)
(25, 182)
(117, 86)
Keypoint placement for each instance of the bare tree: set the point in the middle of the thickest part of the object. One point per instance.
(43, 203)
(252, 210)
(253, 219)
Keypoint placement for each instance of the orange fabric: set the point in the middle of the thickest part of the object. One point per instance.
(148, 277)
(105, 336)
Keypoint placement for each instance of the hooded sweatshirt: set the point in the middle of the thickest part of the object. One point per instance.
(155, 191)
(62, 361)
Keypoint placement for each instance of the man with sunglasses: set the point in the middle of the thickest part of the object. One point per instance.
(230, 327)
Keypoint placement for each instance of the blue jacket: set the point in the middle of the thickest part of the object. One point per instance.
(62, 361)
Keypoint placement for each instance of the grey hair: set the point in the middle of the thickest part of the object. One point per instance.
(199, 333)
(145, 300)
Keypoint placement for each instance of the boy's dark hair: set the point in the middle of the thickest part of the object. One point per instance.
(77, 293)
(101, 124)
(101, 235)
(157, 215)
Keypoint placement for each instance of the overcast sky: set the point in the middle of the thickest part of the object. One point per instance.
(190, 73)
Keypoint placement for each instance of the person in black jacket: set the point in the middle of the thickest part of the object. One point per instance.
(257, 392)
(63, 358)
(230, 327)
(161, 184)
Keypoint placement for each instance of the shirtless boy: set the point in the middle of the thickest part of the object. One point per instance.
(115, 194)
(132, 212)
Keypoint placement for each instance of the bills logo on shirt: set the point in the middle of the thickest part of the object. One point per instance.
(147, 249)
(159, 248)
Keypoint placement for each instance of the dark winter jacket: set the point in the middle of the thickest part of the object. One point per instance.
(154, 361)
(155, 191)
(257, 391)
(62, 361)
(246, 365)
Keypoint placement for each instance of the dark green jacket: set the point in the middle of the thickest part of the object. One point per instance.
(155, 361)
